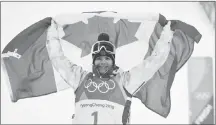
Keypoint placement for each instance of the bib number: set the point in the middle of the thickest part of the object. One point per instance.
(95, 114)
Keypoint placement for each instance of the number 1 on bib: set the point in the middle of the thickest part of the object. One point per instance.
(95, 114)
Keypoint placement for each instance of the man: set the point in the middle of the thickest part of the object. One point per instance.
(101, 95)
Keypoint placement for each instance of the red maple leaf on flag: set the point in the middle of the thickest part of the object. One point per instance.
(85, 35)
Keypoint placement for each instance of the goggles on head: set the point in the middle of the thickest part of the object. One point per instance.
(106, 45)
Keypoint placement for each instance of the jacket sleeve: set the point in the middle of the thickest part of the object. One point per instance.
(136, 77)
(70, 72)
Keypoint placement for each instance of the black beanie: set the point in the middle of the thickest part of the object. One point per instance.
(103, 37)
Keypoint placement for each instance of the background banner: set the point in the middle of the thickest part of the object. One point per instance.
(200, 85)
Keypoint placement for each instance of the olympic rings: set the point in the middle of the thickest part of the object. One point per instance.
(98, 87)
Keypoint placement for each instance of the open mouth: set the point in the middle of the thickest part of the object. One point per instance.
(103, 69)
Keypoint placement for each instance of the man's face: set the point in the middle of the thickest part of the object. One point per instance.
(103, 64)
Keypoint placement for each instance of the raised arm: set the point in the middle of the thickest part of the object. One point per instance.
(71, 73)
(139, 75)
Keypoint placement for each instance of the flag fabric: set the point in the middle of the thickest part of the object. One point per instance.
(30, 72)
(26, 62)
(156, 92)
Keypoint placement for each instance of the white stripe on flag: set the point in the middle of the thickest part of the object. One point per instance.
(71, 18)
(138, 48)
